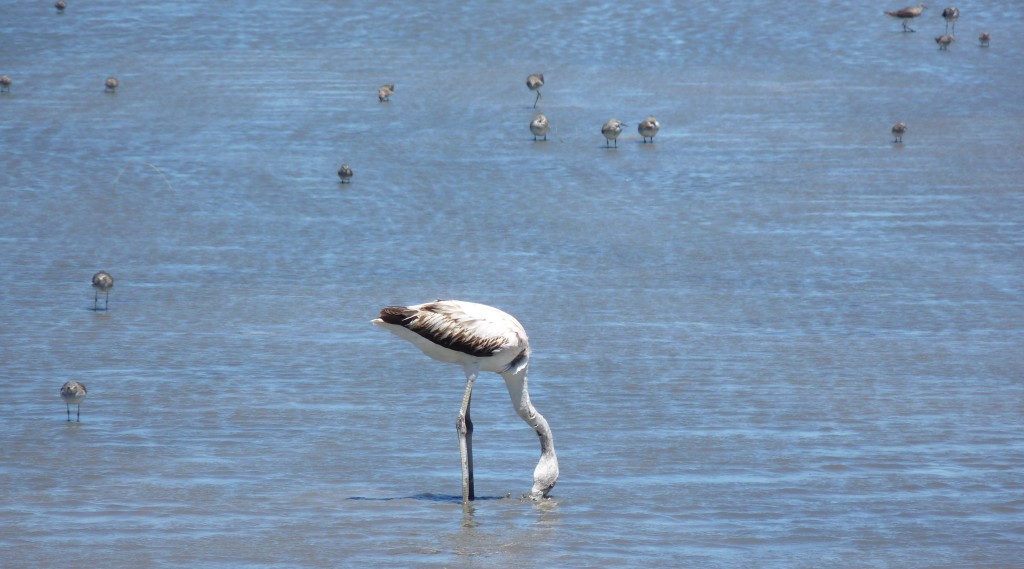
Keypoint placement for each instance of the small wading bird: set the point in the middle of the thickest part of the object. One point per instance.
(478, 338)
(110, 84)
(539, 126)
(944, 41)
(905, 14)
(73, 393)
(102, 282)
(984, 39)
(648, 128)
(345, 173)
(60, 5)
(951, 15)
(534, 83)
(384, 93)
(611, 131)
(897, 132)
(5, 83)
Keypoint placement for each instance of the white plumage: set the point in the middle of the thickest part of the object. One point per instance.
(477, 337)
(539, 126)
(459, 332)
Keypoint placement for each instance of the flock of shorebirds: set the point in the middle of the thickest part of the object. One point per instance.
(540, 125)
(610, 130)
(950, 15)
(650, 126)
(109, 85)
(73, 392)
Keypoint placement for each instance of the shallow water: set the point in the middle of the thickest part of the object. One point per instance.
(772, 338)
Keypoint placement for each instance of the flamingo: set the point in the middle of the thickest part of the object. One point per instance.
(539, 126)
(102, 282)
(909, 13)
(73, 393)
(611, 131)
(534, 82)
(478, 338)
(897, 131)
(648, 128)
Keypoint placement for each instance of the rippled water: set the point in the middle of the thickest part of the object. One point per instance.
(771, 339)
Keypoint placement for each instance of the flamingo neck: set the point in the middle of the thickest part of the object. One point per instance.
(546, 473)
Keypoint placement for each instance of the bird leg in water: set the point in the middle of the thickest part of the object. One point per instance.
(464, 426)
(96, 301)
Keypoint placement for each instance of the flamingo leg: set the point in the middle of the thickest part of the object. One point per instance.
(464, 426)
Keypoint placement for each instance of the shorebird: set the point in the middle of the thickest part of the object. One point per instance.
(73, 393)
(909, 13)
(5, 83)
(897, 132)
(539, 126)
(534, 83)
(384, 93)
(102, 282)
(110, 84)
(984, 38)
(611, 131)
(478, 338)
(648, 128)
(944, 41)
(60, 5)
(345, 173)
(951, 15)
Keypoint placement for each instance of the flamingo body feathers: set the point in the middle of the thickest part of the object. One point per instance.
(461, 332)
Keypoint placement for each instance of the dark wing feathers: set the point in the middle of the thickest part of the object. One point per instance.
(442, 327)
(397, 315)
